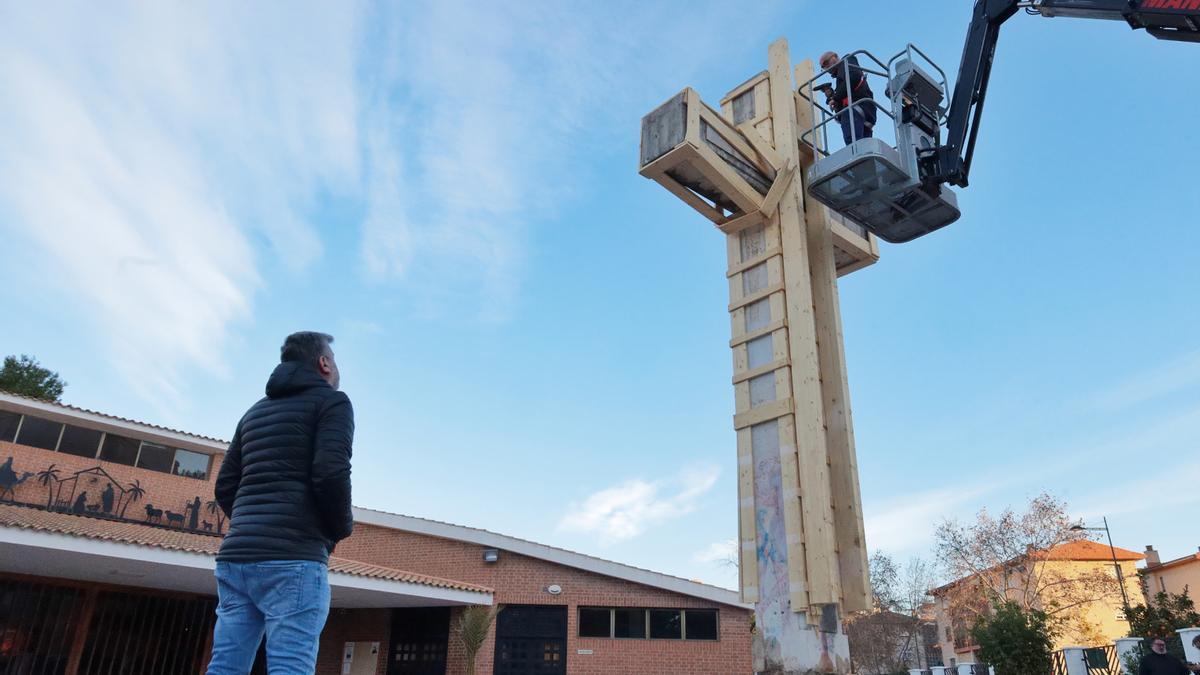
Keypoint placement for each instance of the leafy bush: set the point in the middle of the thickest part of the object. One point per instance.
(1165, 614)
(1016, 641)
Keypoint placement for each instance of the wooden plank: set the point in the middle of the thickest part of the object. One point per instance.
(658, 173)
(762, 413)
(735, 138)
(799, 585)
(744, 373)
(728, 181)
(782, 182)
(851, 551)
(754, 262)
(765, 330)
(761, 145)
(747, 529)
(745, 221)
(742, 88)
(813, 523)
(756, 296)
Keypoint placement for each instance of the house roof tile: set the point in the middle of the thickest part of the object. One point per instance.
(124, 532)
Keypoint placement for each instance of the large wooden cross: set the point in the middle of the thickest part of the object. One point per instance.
(802, 558)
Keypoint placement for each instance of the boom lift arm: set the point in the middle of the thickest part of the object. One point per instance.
(950, 162)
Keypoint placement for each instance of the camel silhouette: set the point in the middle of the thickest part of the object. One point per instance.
(9, 480)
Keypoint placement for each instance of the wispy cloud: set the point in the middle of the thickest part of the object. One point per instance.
(1179, 374)
(719, 552)
(487, 117)
(1162, 486)
(906, 523)
(627, 510)
(168, 162)
(157, 156)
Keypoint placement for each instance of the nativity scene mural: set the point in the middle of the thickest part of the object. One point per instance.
(95, 493)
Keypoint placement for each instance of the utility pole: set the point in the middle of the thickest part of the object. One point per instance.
(802, 555)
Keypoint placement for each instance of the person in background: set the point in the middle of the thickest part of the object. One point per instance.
(1159, 662)
(285, 486)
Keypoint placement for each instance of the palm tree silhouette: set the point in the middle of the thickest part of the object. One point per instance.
(215, 508)
(134, 492)
(46, 479)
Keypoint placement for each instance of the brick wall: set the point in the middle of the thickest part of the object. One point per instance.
(519, 579)
(353, 625)
(163, 490)
(516, 579)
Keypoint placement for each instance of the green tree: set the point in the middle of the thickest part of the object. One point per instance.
(1015, 640)
(1165, 614)
(25, 376)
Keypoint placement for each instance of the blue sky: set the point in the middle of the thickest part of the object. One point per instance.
(535, 337)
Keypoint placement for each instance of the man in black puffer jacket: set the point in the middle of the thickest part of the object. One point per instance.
(285, 486)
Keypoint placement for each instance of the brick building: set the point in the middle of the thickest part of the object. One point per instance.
(108, 535)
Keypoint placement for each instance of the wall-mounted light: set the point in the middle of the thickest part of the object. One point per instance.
(490, 555)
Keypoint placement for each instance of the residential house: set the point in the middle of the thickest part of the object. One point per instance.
(1078, 577)
(1180, 576)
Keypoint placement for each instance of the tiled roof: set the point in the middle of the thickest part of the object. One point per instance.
(28, 518)
(126, 420)
(1174, 563)
(1079, 550)
(1084, 549)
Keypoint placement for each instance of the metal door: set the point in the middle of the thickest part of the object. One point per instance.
(531, 640)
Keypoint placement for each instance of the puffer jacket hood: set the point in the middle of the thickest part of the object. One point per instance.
(285, 480)
(292, 377)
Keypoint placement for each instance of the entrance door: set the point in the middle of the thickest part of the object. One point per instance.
(531, 640)
(419, 640)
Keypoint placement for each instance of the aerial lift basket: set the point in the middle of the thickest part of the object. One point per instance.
(870, 181)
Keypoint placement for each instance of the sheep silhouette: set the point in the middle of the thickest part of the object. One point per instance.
(153, 514)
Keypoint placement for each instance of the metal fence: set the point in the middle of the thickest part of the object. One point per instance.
(1099, 661)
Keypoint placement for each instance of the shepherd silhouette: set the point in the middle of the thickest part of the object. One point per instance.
(106, 499)
(195, 508)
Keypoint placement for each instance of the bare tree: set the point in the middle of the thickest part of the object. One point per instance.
(1014, 557)
(888, 639)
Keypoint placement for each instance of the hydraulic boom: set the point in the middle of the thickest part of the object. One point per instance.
(950, 162)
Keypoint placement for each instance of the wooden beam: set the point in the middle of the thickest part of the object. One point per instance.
(850, 540)
(811, 468)
(783, 180)
(761, 145)
(745, 221)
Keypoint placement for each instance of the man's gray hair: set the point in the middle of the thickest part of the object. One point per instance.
(305, 347)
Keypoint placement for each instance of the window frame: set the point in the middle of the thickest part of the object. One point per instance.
(645, 611)
(645, 623)
(62, 426)
(579, 622)
(16, 429)
(716, 613)
(206, 458)
(99, 441)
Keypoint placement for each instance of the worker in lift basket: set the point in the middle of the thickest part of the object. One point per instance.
(849, 87)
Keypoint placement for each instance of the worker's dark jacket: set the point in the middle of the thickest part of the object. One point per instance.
(857, 85)
(1162, 664)
(285, 481)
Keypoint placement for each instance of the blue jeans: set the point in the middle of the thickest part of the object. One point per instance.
(288, 600)
(861, 119)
